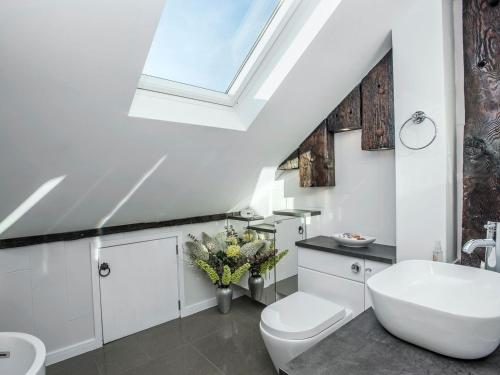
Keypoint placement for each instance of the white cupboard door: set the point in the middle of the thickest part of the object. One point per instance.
(372, 268)
(141, 290)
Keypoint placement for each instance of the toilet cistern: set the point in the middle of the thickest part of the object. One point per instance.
(488, 243)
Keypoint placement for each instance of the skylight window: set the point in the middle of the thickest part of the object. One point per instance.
(207, 50)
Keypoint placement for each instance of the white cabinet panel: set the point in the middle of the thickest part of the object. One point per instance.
(337, 289)
(49, 281)
(79, 284)
(16, 302)
(14, 260)
(142, 288)
(332, 264)
(287, 233)
(50, 322)
(372, 268)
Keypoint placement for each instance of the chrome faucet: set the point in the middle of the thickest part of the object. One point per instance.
(488, 243)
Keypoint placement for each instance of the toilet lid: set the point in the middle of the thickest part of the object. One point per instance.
(300, 316)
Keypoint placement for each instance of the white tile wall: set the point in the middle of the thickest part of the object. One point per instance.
(46, 290)
(16, 307)
(363, 199)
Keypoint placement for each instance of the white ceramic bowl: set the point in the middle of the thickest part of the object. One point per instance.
(350, 242)
(26, 354)
(447, 308)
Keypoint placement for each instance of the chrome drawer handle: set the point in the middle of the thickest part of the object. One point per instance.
(355, 267)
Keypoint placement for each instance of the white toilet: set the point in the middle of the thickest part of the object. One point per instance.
(297, 322)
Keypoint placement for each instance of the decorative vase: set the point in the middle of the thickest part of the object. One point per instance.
(256, 286)
(224, 296)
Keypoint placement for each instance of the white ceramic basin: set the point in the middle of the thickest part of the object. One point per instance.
(449, 309)
(26, 354)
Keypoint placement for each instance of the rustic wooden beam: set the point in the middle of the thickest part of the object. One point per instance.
(377, 107)
(316, 159)
(481, 169)
(347, 115)
(291, 162)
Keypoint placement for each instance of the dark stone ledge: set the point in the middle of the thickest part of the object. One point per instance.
(96, 232)
(364, 347)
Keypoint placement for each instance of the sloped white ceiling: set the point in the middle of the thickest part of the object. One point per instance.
(68, 74)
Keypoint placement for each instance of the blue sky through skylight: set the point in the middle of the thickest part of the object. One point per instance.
(203, 43)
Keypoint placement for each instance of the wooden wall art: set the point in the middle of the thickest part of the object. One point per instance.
(377, 108)
(481, 173)
(316, 159)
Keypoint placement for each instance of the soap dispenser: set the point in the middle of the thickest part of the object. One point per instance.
(437, 254)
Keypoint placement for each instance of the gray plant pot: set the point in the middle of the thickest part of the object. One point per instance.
(224, 297)
(256, 286)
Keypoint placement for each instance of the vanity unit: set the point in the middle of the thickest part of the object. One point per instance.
(363, 346)
(448, 316)
(331, 291)
(339, 273)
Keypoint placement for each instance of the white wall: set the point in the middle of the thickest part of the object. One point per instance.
(73, 120)
(46, 290)
(363, 199)
(425, 179)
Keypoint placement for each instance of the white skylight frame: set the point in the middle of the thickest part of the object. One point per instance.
(264, 42)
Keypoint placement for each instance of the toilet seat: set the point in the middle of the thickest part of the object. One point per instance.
(300, 316)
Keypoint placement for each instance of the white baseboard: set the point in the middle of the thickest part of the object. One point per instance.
(72, 351)
(206, 304)
(197, 307)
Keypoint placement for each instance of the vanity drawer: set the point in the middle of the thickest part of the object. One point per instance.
(372, 268)
(333, 264)
(344, 292)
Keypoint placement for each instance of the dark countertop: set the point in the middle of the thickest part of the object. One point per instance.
(297, 212)
(364, 347)
(374, 251)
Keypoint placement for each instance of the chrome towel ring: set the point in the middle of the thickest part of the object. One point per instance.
(417, 118)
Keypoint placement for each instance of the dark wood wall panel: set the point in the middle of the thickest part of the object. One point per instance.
(347, 115)
(291, 162)
(316, 159)
(481, 199)
(377, 107)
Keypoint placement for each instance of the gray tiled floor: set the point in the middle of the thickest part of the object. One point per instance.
(206, 343)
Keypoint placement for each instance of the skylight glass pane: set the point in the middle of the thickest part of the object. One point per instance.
(204, 43)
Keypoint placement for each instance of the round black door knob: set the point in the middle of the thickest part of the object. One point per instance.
(104, 269)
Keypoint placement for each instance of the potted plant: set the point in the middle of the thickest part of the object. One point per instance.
(262, 256)
(221, 259)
